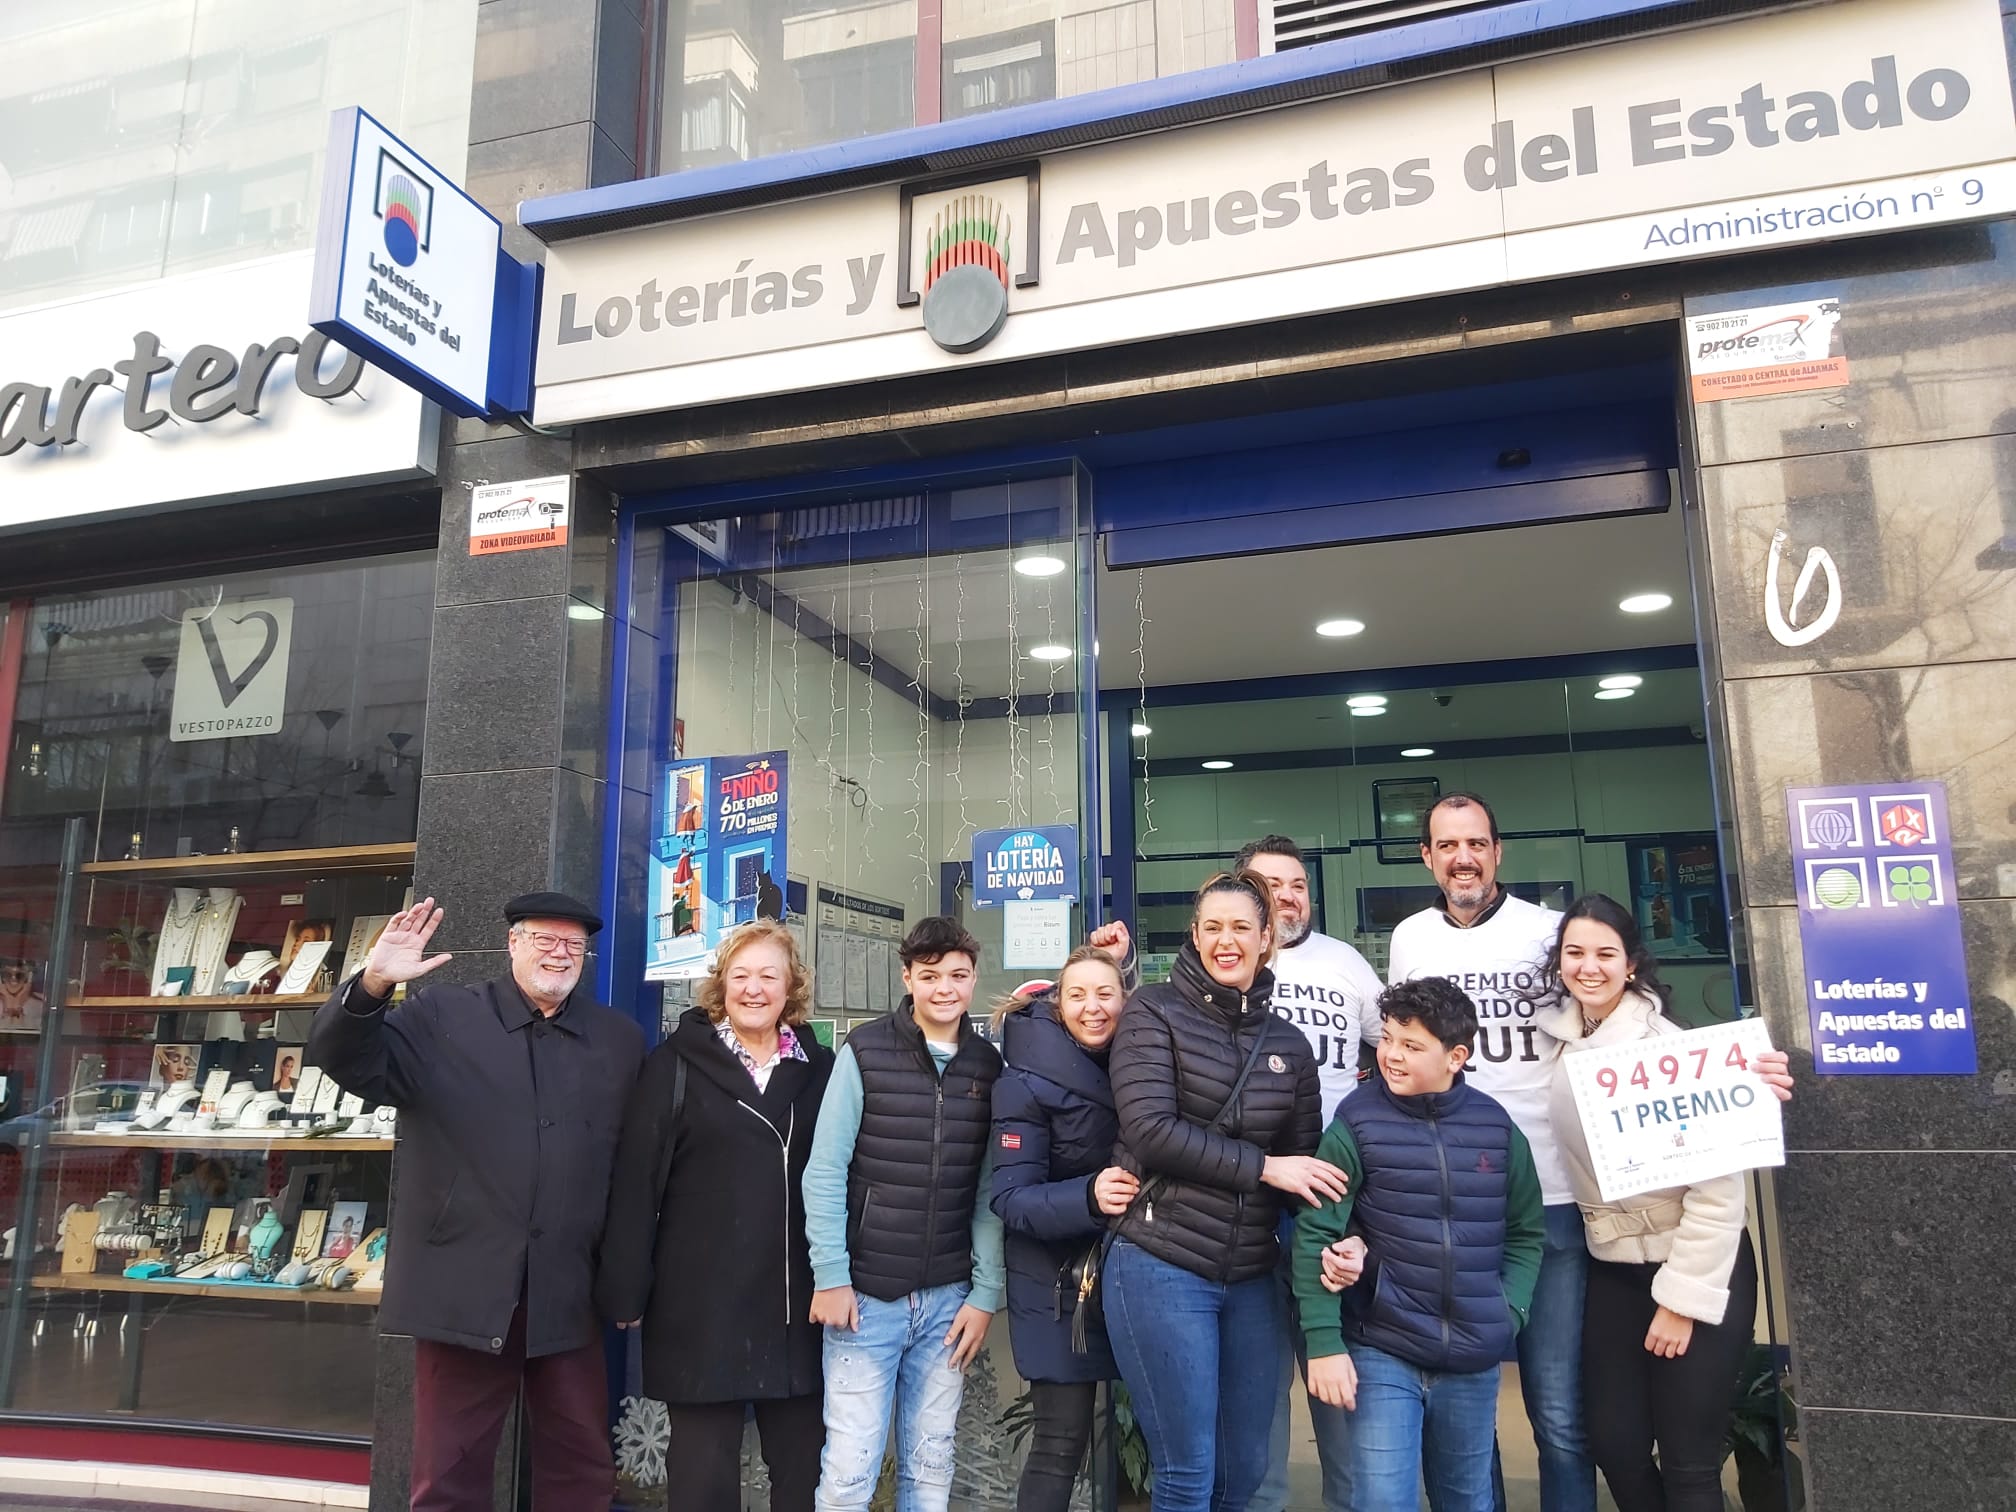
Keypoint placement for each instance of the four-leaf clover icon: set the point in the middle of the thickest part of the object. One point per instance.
(1911, 883)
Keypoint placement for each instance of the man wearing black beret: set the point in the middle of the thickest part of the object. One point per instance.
(510, 1098)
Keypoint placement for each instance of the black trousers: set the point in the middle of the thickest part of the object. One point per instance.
(704, 1458)
(1056, 1444)
(1633, 1400)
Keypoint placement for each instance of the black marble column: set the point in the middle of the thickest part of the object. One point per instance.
(513, 786)
(1894, 1205)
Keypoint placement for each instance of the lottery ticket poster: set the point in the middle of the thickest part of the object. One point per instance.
(1879, 924)
(1678, 1109)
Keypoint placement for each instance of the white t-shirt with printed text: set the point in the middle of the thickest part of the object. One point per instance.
(1500, 963)
(1327, 990)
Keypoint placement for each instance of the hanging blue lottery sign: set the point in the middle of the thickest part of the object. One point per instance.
(1886, 972)
(1028, 865)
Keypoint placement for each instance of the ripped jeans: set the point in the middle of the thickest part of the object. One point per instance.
(897, 1362)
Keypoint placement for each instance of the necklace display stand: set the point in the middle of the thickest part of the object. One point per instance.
(178, 935)
(213, 941)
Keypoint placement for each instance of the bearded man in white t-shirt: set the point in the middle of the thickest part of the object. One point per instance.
(1326, 989)
(1500, 950)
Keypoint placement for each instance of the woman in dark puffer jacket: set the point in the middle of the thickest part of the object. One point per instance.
(1190, 1300)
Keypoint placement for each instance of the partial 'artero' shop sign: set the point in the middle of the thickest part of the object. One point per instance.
(201, 388)
(1807, 125)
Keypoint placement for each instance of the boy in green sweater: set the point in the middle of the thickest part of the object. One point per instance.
(1445, 1197)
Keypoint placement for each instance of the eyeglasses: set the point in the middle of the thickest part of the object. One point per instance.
(546, 944)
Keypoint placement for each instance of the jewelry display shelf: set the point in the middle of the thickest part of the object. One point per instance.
(226, 1289)
(207, 1002)
(199, 869)
(247, 1143)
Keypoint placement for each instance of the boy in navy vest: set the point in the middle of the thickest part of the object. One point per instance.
(1445, 1195)
(906, 1250)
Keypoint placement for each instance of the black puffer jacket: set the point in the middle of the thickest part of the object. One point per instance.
(1178, 1051)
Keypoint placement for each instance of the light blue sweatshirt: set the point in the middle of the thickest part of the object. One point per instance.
(824, 1189)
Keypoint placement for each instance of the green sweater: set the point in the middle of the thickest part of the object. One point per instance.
(1316, 1229)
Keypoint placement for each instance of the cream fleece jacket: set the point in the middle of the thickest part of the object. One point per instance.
(1691, 1233)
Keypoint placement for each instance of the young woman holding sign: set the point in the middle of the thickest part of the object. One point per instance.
(1672, 1281)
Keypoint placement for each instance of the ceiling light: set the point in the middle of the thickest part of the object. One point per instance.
(583, 612)
(1623, 680)
(1050, 653)
(1039, 566)
(1607, 693)
(1366, 701)
(1367, 711)
(1140, 731)
(1336, 629)
(1646, 603)
(1218, 766)
(1419, 751)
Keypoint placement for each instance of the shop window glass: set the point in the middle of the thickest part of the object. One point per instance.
(239, 759)
(911, 667)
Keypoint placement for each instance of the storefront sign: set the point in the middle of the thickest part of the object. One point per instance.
(1026, 865)
(519, 516)
(231, 670)
(1886, 972)
(408, 270)
(1675, 1110)
(207, 387)
(1807, 125)
(719, 858)
(1779, 349)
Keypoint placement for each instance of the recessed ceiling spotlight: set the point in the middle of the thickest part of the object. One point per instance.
(1419, 751)
(1622, 680)
(1218, 766)
(1366, 701)
(1337, 629)
(1646, 603)
(1140, 731)
(1367, 711)
(1039, 566)
(1050, 653)
(1607, 693)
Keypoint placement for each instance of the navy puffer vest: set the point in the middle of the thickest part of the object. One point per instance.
(1432, 1209)
(916, 1168)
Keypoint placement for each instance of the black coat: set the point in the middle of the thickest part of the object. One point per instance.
(716, 1266)
(502, 1174)
(1179, 1048)
(1054, 1129)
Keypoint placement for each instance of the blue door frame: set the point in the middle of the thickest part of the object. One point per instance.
(1552, 446)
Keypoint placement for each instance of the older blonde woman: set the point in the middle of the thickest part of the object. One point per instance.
(705, 1244)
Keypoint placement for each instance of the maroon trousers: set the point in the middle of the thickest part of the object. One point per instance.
(460, 1400)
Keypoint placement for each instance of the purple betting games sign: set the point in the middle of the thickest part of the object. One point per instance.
(1886, 975)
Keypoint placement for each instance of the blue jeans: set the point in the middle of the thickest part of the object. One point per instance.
(1550, 1372)
(1412, 1424)
(896, 1361)
(1202, 1361)
(1332, 1424)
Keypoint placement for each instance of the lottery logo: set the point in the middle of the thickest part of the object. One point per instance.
(1838, 887)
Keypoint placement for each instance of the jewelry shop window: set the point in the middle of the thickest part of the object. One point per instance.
(198, 1215)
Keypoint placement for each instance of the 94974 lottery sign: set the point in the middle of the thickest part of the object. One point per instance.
(1675, 1110)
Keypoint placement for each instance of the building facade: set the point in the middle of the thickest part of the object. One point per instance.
(1131, 421)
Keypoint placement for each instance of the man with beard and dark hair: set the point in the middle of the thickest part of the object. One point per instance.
(1327, 990)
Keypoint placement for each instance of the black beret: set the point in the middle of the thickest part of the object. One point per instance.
(552, 905)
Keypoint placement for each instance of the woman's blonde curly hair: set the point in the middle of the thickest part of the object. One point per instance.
(712, 996)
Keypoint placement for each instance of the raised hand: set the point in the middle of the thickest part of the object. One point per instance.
(1113, 938)
(401, 952)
